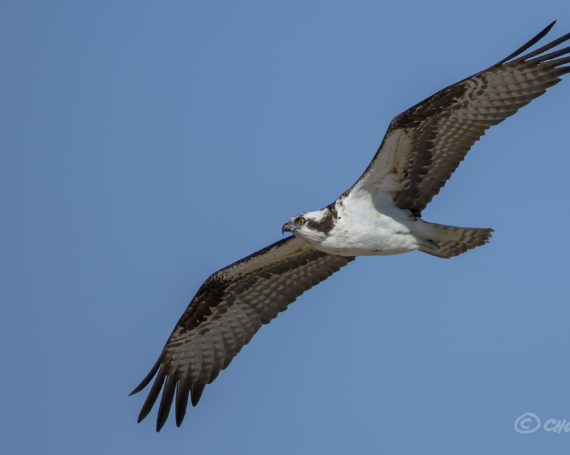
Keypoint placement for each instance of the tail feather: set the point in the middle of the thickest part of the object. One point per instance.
(448, 241)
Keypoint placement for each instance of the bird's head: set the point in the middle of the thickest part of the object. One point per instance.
(313, 227)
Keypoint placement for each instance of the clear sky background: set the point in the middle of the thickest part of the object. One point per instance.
(145, 145)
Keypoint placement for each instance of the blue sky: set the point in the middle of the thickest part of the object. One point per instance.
(144, 145)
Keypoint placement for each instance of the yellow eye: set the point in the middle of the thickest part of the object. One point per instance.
(300, 221)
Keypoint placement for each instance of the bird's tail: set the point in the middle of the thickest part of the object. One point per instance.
(448, 241)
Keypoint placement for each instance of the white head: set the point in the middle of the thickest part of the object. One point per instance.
(314, 227)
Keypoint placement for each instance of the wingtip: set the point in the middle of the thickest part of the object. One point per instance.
(159, 425)
(142, 384)
(529, 44)
(165, 401)
(148, 377)
(196, 393)
(137, 389)
(144, 412)
(182, 392)
(547, 29)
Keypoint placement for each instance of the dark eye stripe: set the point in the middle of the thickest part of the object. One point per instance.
(326, 224)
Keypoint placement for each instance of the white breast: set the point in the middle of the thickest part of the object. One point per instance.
(363, 229)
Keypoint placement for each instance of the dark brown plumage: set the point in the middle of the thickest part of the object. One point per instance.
(424, 145)
(228, 309)
(327, 222)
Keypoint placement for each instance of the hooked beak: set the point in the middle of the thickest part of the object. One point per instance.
(287, 227)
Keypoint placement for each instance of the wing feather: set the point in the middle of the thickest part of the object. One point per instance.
(424, 145)
(228, 309)
(182, 392)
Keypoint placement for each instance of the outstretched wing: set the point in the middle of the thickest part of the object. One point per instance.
(225, 313)
(426, 143)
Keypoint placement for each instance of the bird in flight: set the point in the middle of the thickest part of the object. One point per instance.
(379, 215)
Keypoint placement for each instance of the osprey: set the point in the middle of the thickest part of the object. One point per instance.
(379, 215)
